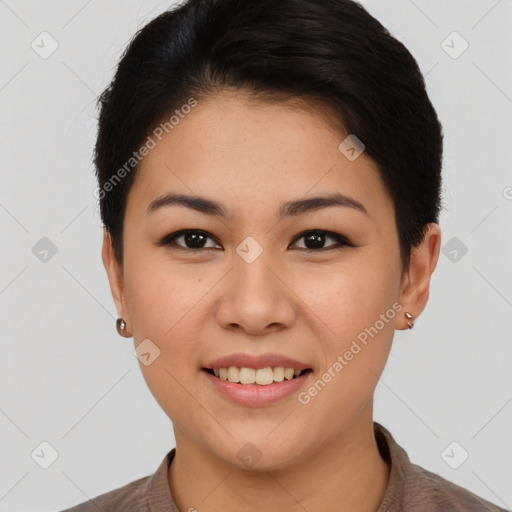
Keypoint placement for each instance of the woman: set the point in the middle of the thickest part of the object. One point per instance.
(269, 182)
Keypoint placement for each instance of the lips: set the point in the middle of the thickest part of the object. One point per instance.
(256, 380)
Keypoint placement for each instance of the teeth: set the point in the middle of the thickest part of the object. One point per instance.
(289, 373)
(279, 374)
(233, 374)
(261, 376)
(264, 376)
(247, 375)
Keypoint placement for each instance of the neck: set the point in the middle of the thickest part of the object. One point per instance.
(345, 475)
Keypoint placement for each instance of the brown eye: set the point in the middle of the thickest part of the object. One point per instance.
(315, 240)
(196, 240)
(189, 240)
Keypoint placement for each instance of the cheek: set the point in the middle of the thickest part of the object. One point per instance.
(358, 309)
(352, 307)
(161, 298)
(351, 296)
(164, 302)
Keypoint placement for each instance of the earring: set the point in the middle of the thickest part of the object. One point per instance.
(410, 325)
(121, 327)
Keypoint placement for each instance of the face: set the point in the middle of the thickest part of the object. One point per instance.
(256, 281)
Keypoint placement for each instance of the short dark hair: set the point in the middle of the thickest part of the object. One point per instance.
(333, 51)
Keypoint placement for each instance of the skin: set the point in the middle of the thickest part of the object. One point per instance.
(309, 305)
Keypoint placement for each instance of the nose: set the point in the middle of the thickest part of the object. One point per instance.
(255, 298)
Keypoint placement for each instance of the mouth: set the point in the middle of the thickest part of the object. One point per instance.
(265, 376)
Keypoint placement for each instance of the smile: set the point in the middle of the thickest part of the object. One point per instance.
(260, 376)
(250, 392)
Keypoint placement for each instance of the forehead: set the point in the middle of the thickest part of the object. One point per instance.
(234, 147)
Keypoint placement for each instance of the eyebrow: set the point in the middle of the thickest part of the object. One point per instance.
(288, 209)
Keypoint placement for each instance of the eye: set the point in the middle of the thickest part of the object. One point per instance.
(192, 239)
(315, 240)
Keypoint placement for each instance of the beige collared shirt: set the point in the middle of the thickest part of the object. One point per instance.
(410, 489)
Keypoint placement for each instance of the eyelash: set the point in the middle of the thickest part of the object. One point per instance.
(342, 241)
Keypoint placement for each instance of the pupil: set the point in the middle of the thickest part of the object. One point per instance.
(194, 240)
(319, 238)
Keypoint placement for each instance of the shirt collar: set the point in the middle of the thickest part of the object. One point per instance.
(397, 458)
(158, 491)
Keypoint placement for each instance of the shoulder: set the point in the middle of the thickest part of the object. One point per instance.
(412, 488)
(427, 491)
(149, 493)
(131, 496)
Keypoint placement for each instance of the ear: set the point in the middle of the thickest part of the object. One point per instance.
(115, 277)
(416, 282)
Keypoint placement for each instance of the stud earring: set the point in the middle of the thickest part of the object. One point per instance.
(410, 325)
(121, 327)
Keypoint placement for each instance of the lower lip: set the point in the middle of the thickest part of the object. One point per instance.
(255, 395)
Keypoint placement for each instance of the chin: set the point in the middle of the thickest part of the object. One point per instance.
(259, 453)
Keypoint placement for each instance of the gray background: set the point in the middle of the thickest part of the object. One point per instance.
(68, 379)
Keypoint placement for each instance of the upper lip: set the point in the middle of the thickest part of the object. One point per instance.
(261, 361)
